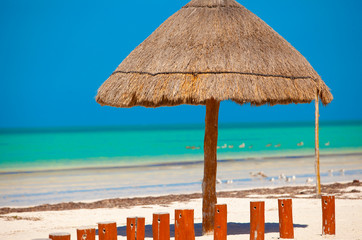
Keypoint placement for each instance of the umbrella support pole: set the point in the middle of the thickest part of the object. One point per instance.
(317, 167)
(210, 166)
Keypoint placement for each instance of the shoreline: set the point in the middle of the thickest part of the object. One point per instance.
(349, 190)
(30, 189)
(184, 163)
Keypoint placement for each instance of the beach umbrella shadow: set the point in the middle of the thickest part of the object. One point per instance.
(244, 228)
(122, 231)
(233, 229)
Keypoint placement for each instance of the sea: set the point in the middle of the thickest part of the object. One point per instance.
(53, 165)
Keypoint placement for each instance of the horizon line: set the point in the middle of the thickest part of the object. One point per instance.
(168, 126)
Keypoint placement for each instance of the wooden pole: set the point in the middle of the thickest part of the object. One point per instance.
(161, 226)
(257, 220)
(184, 224)
(220, 229)
(86, 234)
(107, 231)
(135, 228)
(329, 215)
(317, 168)
(59, 236)
(286, 229)
(210, 165)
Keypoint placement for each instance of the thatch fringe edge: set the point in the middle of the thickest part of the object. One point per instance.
(128, 90)
(195, 74)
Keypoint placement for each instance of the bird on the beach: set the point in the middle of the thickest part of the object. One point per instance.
(224, 146)
(278, 145)
(253, 174)
(268, 145)
(309, 180)
(294, 178)
(218, 181)
(229, 182)
(231, 146)
(300, 144)
(242, 145)
(330, 172)
(342, 171)
(218, 147)
(272, 179)
(288, 179)
(327, 144)
(258, 174)
(262, 174)
(281, 176)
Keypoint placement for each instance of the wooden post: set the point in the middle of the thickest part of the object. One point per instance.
(86, 234)
(285, 218)
(316, 165)
(59, 236)
(107, 231)
(135, 228)
(329, 216)
(184, 224)
(210, 166)
(161, 226)
(220, 228)
(257, 220)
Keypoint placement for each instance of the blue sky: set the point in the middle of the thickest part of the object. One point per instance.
(55, 54)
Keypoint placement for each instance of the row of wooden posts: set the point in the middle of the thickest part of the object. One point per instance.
(184, 224)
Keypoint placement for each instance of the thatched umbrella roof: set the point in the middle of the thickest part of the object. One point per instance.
(213, 49)
(209, 51)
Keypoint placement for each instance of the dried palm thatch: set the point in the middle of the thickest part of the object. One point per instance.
(209, 51)
(213, 49)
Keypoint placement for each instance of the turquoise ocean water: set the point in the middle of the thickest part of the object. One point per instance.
(51, 165)
(58, 148)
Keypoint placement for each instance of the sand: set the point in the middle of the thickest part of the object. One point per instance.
(34, 222)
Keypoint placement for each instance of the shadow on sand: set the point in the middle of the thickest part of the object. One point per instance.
(233, 229)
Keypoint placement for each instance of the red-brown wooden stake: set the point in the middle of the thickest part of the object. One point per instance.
(161, 226)
(59, 236)
(220, 225)
(135, 228)
(257, 220)
(328, 212)
(285, 218)
(107, 231)
(184, 224)
(86, 234)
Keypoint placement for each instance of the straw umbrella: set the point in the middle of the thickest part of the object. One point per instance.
(207, 52)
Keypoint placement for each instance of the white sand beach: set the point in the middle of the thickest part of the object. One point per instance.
(307, 217)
